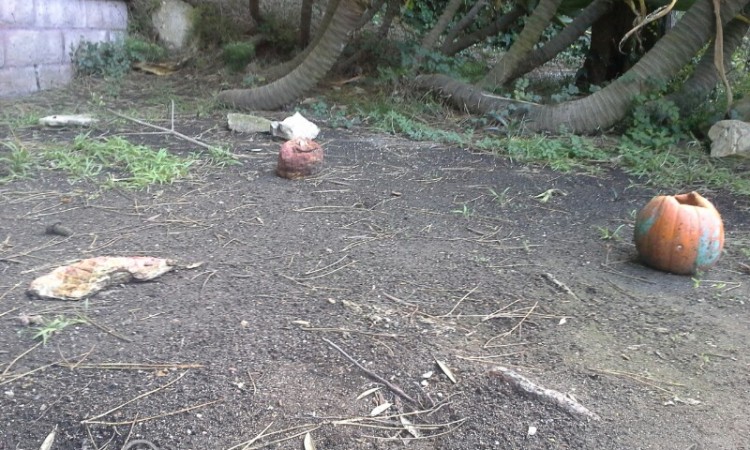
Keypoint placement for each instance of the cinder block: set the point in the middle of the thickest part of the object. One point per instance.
(60, 14)
(71, 39)
(16, 81)
(27, 47)
(111, 15)
(17, 12)
(54, 75)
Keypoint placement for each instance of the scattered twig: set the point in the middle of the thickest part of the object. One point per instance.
(460, 301)
(349, 330)
(105, 329)
(158, 416)
(165, 130)
(557, 398)
(6, 293)
(398, 391)
(129, 366)
(515, 327)
(648, 381)
(91, 420)
(15, 360)
(560, 285)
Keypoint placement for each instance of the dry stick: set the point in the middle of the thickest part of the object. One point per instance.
(377, 377)
(288, 438)
(557, 398)
(639, 378)
(19, 376)
(333, 264)
(105, 329)
(165, 130)
(6, 293)
(15, 360)
(560, 285)
(252, 441)
(350, 330)
(130, 432)
(518, 325)
(329, 273)
(158, 416)
(459, 302)
(146, 394)
(129, 366)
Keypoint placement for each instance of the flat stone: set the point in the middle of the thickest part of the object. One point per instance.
(246, 123)
(730, 138)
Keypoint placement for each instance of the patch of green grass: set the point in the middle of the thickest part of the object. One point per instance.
(54, 326)
(125, 163)
(18, 164)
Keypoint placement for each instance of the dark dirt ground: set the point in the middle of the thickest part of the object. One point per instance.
(379, 256)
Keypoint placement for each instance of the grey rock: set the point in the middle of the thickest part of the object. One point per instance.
(729, 138)
(246, 123)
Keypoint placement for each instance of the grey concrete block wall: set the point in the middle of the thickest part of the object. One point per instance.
(36, 37)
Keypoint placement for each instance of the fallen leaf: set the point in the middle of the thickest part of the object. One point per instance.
(446, 370)
(368, 392)
(308, 442)
(409, 427)
(49, 440)
(380, 409)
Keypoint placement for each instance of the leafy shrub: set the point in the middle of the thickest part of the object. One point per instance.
(100, 59)
(237, 55)
(139, 50)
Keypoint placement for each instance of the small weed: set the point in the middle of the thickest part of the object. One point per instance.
(502, 197)
(606, 234)
(54, 326)
(17, 165)
(464, 211)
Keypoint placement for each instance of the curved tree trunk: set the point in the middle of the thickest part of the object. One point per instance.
(430, 40)
(499, 25)
(539, 20)
(608, 106)
(704, 78)
(305, 76)
(563, 39)
(465, 21)
(279, 70)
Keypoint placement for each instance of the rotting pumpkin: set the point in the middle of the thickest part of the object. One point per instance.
(681, 234)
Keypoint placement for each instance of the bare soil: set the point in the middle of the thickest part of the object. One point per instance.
(399, 254)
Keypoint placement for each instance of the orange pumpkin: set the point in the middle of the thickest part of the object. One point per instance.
(680, 234)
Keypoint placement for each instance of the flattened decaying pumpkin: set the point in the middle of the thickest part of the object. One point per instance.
(89, 276)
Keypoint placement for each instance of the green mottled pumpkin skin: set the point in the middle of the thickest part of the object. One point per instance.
(681, 234)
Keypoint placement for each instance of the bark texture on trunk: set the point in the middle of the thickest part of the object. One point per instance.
(309, 72)
(696, 89)
(539, 20)
(279, 70)
(608, 106)
(563, 39)
(499, 25)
